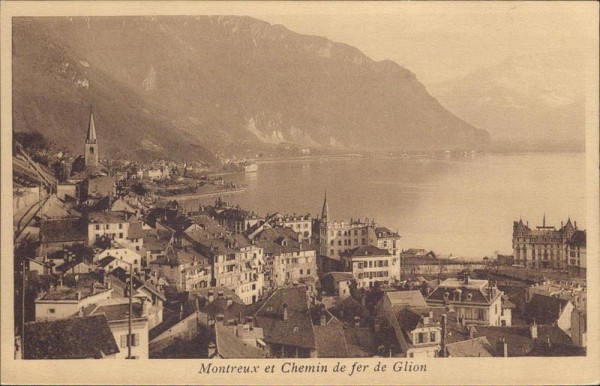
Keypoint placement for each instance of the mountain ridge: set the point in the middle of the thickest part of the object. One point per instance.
(217, 81)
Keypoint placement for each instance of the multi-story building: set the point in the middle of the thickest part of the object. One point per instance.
(337, 237)
(62, 301)
(134, 346)
(411, 319)
(287, 259)
(548, 247)
(370, 264)
(111, 225)
(576, 249)
(383, 238)
(184, 269)
(235, 219)
(474, 301)
(237, 263)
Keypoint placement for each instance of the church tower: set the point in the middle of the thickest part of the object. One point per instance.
(325, 211)
(91, 143)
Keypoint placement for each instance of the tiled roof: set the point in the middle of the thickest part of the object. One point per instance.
(231, 347)
(174, 257)
(281, 239)
(520, 343)
(330, 340)
(360, 342)
(385, 232)
(71, 293)
(404, 299)
(366, 250)
(135, 230)
(475, 291)
(106, 261)
(108, 217)
(545, 309)
(119, 311)
(67, 265)
(578, 239)
(476, 347)
(63, 230)
(347, 309)
(73, 338)
(340, 276)
(297, 330)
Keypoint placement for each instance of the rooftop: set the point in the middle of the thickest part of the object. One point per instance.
(72, 338)
(72, 229)
(367, 250)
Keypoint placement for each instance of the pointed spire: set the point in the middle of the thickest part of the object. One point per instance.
(544, 221)
(91, 134)
(325, 211)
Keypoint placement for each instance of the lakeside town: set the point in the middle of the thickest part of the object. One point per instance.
(109, 263)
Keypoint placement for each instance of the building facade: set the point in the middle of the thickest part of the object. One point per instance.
(548, 247)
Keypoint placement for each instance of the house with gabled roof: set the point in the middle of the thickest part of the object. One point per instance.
(295, 328)
(474, 301)
(411, 319)
(81, 337)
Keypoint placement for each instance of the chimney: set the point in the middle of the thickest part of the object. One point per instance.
(78, 295)
(443, 344)
(144, 302)
(229, 300)
(212, 349)
(211, 296)
(425, 319)
(534, 330)
(472, 332)
(323, 319)
(80, 313)
(220, 294)
(285, 311)
(357, 321)
(502, 347)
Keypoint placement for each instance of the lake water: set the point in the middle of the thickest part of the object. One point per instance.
(461, 206)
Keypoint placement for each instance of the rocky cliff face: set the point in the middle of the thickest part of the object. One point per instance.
(161, 85)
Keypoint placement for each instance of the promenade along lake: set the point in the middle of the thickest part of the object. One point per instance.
(464, 206)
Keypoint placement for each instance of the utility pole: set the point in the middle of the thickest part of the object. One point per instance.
(129, 336)
(23, 308)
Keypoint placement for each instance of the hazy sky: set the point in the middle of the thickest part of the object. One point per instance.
(439, 43)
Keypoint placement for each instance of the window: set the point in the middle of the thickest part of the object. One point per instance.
(134, 342)
(339, 242)
(51, 310)
(420, 337)
(432, 336)
(120, 226)
(301, 272)
(481, 314)
(308, 271)
(97, 227)
(411, 355)
(121, 235)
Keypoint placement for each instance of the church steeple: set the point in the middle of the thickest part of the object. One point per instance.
(91, 143)
(325, 210)
(91, 134)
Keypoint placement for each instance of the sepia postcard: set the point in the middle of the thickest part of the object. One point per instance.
(299, 192)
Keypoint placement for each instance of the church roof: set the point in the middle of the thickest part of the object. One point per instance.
(91, 134)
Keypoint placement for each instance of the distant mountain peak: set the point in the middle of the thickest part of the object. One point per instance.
(210, 81)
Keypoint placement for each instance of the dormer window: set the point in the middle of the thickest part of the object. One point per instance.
(296, 329)
(469, 296)
(446, 295)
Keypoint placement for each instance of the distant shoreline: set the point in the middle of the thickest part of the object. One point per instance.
(193, 196)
